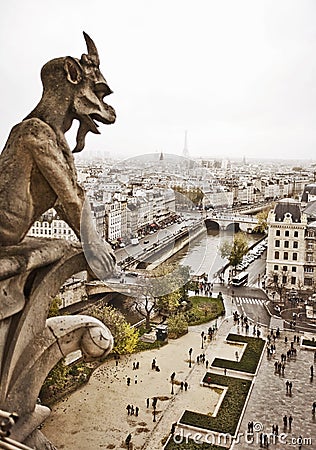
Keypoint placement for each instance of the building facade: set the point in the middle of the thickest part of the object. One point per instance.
(286, 251)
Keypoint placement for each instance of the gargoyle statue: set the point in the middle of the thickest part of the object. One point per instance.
(37, 169)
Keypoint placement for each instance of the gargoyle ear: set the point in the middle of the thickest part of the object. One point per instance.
(73, 70)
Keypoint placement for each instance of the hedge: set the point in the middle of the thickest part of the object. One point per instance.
(189, 444)
(250, 358)
(230, 410)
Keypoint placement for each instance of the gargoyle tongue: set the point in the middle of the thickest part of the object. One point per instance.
(81, 137)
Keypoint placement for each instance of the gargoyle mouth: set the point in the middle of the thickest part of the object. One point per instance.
(108, 117)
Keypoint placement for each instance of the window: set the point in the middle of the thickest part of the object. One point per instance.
(275, 267)
(293, 280)
(277, 243)
(277, 232)
(294, 256)
(310, 246)
(308, 281)
(309, 257)
(295, 244)
(277, 255)
(275, 278)
(286, 233)
(286, 255)
(293, 269)
(284, 279)
(286, 244)
(295, 233)
(309, 269)
(284, 268)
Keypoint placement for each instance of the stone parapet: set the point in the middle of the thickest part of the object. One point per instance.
(31, 274)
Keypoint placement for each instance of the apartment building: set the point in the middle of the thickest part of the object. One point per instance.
(286, 252)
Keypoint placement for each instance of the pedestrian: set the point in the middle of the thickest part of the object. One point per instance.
(153, 364)
(285, 421)
(173, 428)
(312, 371)
(128, 381)
(225, 371)
(266, 440)
(236, 354)
(128, 440)
(128, 407)
(290, 387)
(198, 359)
(290, 422)
(136, 411)
(314, 407)
(185, 386)
(287, 386)
(154, 403)
(206, 363)
(181, 385)
(137, 365)
(135, 379)
(147, 402)
(134, 365)
(132, 410)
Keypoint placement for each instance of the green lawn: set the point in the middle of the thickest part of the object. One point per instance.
(230, 410)
(204, 309)
(250, 358)
(309, 343)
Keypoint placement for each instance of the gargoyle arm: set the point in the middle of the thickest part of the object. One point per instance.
(51, 162)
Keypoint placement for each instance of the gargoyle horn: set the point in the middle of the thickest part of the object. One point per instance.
(92, 50)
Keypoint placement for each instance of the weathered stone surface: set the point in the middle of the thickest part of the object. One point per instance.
(72, 89)
(33, 270)
(33, 344)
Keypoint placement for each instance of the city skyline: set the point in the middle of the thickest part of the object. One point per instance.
(240, 77)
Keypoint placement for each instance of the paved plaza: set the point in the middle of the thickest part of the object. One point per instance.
(95, 416)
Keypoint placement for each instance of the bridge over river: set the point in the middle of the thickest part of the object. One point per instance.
(232, 222)
(160, 246)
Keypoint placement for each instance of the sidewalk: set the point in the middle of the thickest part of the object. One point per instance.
(95, 416)
(269, 402)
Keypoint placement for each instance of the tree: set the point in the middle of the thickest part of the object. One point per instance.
(163, 291)
(193, 194)
(235, 251)
(125, 336)
(278, 281)
(54, 307)
(177, 325)
(262, 217)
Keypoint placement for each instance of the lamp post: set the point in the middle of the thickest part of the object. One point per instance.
(190, 354)
(202, 337)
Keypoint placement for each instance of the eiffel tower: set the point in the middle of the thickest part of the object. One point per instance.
(185, 151)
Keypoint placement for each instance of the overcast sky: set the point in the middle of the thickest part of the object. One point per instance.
(239, 75)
